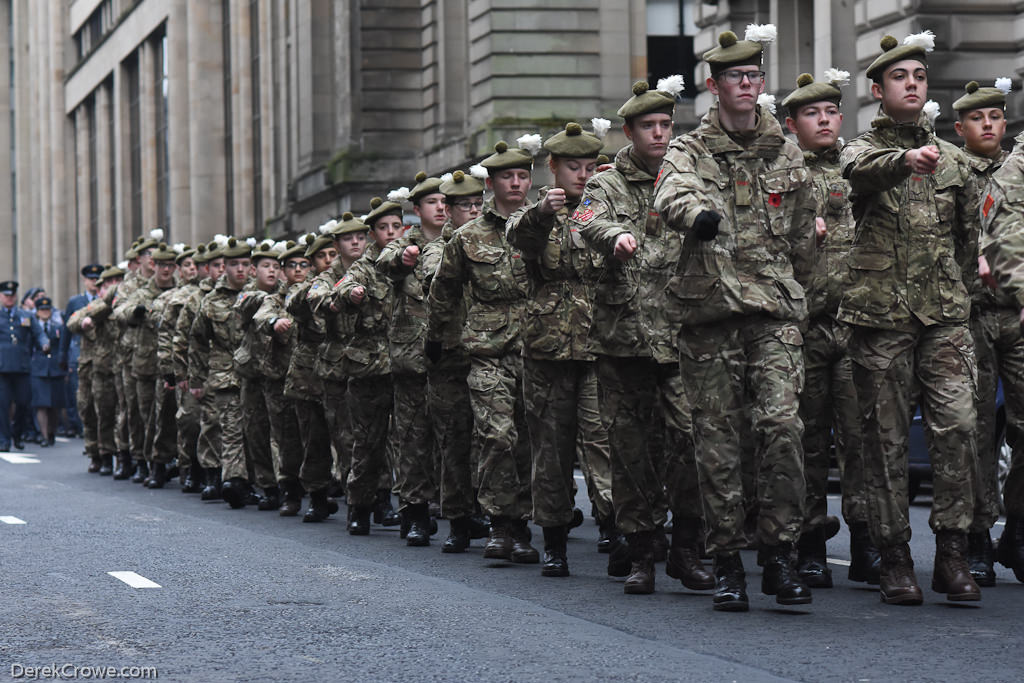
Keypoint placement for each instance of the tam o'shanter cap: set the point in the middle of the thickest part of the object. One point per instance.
(916, 46)
(153, 240)
(164, 253)
(265, 249)
(92, 271)
(983, 98)
(9, 287)
(184, 253)
(380, 208)
(236, 248)
(315, 243)
(111, 272)
(349, 224)
(292, 249)
(462, 184)
(808, 90)
(574, 143)
(659, 101)
(506, 157)
(424, 185)
(199, 254)
(731, 51)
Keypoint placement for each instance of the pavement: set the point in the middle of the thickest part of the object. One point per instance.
(214, 594)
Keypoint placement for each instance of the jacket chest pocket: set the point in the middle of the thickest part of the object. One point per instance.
(779, 188)
(837, 200)
(491, 276)
(947, 184)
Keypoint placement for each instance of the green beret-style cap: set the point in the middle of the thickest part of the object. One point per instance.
(574, 143)
(982, 98)
(647, 101)
(200, 254)
(916, 47)
(506, 157)
(731, 51)
(349, 224)
(164, 253)
(424, 185)
(265, 249)
(236, 248)
(315, 243)
(292, 249)
(380, 208)
(462, 184)
(187, 252)
(807, 91)
(111, 272)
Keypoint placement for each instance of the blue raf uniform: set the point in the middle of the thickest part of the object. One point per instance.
(47, 366)
(17, 335)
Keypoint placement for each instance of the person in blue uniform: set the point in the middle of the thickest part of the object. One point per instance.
(47, 369)
(16, 338)
(71, 347)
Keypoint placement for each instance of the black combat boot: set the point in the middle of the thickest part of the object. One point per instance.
(577, 519)
(1011, 546)
(981, 558)
(499, 542)
(211, 477)
(319, 507)
(359, 519)
(292, 502)
(618, 556)
(522, 551)
(193, 479)
(865, 560)
(952, 576)
(124, 469)
(141, 472)
(479, 526)
(158, 477)
(780, 578)
(419, 524)
(641, 557)
(606, 530)
(270, 500)
(106, 464)
(730, 584)
(95, 461)
(897, 583)
(383, 512)
(555, 561)
(684, 556)
(458, 536)
(811, 562)
(236, 492)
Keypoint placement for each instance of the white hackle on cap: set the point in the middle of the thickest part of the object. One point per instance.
(761, 33)
(446, 178)
(673, 84)
(1004, 84)
(157, 234)
(327, 227)
(531, 142)
(362, 219)
(601, 126)
(767, 101)
(478, 171)
(251, 241)
(837, 76)
(925, 39)
(399, 195)
(221, 240)
(931, 110)
(123, 265)
(279, 247)
(178, 248)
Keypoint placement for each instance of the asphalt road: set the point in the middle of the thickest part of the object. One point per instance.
(249, 596)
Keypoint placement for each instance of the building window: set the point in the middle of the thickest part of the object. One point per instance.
(670, 32)
(229, 161)
(94, 194)
(163, 177)
(134, 141)
(257, 135)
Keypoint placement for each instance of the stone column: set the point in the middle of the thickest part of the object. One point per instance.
(62, 260)
(122, 151)
(81, 117)
(104, 193)
(7, 156)
(178, 114)
(147, 134)
(241, 113)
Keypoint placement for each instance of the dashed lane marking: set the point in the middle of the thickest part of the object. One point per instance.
(134, 580)
(19, 458)
(62, 439)
(10, 519)
(1001, 523)
(843, 563)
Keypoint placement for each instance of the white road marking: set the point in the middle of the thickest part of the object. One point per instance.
(1001, 523)
(10, 519)
(134, 580)
(19, 458)
(843, 563)
(580, 477)
(62, 439)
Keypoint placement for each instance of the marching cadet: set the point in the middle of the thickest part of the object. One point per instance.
(917, 208)
(401, 262)
(125, 467)
(47, 369)
(17, 335)
(559, 379)
(828, 405)
(364, 299)
(480, 270)
(216, 333)
(250, 358)
(738, 192)
(642, 390)
(273, 321)
(99, 337)
(305, 387)
(995, 325)
(72, 353)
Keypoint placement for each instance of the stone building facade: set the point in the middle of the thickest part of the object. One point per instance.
(266, 117)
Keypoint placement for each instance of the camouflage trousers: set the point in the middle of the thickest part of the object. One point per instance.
(338, 425)
(828, 408)
(413, 440)
(315, 473)
(746, 368)
(145, 395)
(369, 406)
(133, 417)
(451, 417)
(644, 406)
(561, 404)
(85, 401)
(256, 427)
(228, 404)
(103, 393)
(499, 434)
(165, 437)
(1000, 351)
(284, 430)
(187, 421)
(889, 367)
(209, 446)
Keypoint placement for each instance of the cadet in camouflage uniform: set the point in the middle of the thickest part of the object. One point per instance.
(559, 379)
(828, 405)
(448, 365)
(479, 264)
(995, 326)
(916, 203)
(124, 467)
(738, 192)
(364, 299)
(273, 320)
(250, 359)
(401, 264)
(642, 390)
(216, 333)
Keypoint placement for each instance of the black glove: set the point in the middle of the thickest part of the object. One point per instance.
(169, 380)
(434, 351)
(705, 225)
(139, 313)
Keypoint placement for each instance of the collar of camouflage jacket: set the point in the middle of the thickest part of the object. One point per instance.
(767, 143)
(983, 164)
(909, 135)
(630, 166)
(829, 155)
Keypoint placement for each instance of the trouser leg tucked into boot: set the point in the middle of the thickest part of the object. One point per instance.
(897, 582)
(812, 563)
(730, 584)
(418, 515)
(952, 576)
(981, 558)
(522, 551)
(499, 543)
(555, 560)
(641, 556)
(781, 579)
(684, 556)
(865, 560)
(458, 536)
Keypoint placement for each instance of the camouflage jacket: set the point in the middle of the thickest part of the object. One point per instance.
(175, 300)
(916, 235)
(982, 296)
(629, 297)
(216, 333)
(764, 250)
(279, 350)
(479, 264)
(560, 271)
(366, 351)
(102, 338)
(322, 303)
(144, 358)
(1002, 215)
(310, 332)
(127, 334)
(451, 336)
(831, 275)
(254, 350)
(192, 296)
(407, 329)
